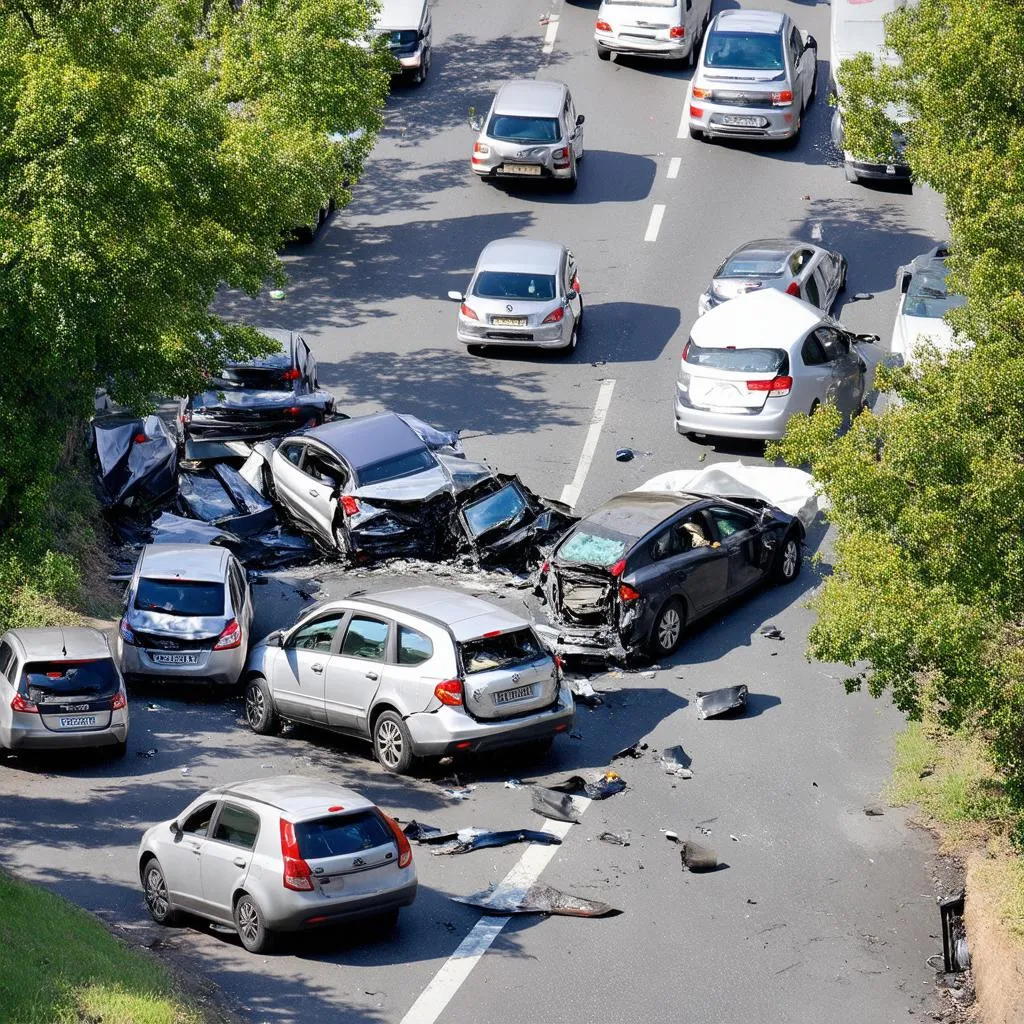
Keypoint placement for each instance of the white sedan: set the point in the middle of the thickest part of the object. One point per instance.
(924, 302)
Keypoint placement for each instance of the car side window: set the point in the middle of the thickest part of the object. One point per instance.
(799, 260)
(692, 533)
(832, 343)
(365, 638)
(795, 44)
(237, 826)
(317, 635)
(6, 659)
(413, 647)
(236, 591)
(292, 452)
(811, 291)
(730, 521)
(322, 469)
(812, 353)
(665, 544)
(198, 822)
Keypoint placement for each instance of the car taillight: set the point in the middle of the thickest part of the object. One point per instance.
(293, 374)
(468, 313)
(677, 32)
(618, 568)
(140, 439)
(559, 666)
(482, 148)
(230, 637)
(696, 111)
(545, 569)
(22, 704)
(782, 98)
(703, 94)
(295, 410)
(297, 875)
(627, 593)
(602, 26)
(404, 849)
(778, 387)
(449, 692)
(126, 632)
(793, 289)
(349, 505)
(554, 316)
(686, 350)
(560, 154)
(119, 702)
(576, 284)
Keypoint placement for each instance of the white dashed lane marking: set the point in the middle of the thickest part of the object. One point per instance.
(571, 492)
(654, 224)
(549, 34)
(673, 167)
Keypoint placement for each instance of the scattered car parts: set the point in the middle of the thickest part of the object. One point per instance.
(719, 702)
(538, 899)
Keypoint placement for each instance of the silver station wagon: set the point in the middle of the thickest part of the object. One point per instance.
(420, 672)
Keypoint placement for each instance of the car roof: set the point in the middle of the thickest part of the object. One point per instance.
(750, 21)
(364, 440)
(396, 14)
(54, 643)
(298, 796)
(521, 254)
(636, 513)
(203, 562)
(779, 245)
(529, 97)
(766, 318)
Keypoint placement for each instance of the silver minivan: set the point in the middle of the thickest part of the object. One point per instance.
(420, 672)
(531, 131)
(407, 25)
(665, 29)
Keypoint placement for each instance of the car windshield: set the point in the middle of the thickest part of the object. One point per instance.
(340, 835)
(754, 263)
(504, 651)
(502, 508)
(590, 544)
(93, 678)
(512, 128)
(180, 597)
(404, 37)
(406, 464)
(742, 360)
(744, 51)
(927, 295)
(500, 284)
(261, 378)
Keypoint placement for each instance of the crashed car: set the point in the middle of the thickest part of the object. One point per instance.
(630, 577)
(136, 460)
(264, 397)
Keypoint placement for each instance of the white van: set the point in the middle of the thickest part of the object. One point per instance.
(407, 24)
(667, 29)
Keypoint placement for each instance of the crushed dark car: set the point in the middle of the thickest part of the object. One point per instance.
(136, 459)
(261, 398)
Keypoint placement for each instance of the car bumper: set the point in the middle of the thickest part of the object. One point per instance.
(664, 49)
(879, 172)
(443, 732)
(316, 912)
(221, 668)
(491, 167)
(543, 336)
(767, 424)
(35, 736)
(776, 122)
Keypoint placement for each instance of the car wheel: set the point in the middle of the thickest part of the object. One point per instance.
(787, 563)
(573, 339)
(260, 712)
(603, 53)
(573, 180)
(851, 174)
(392, 744)
(252, 928)
(696, 133)
(667, 633)
(158, 900)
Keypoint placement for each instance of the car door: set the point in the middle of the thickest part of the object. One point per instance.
(323, 478)
(288, 479)
(692, 568)
(226, 856)
(241, 598)
(811, 291)
(815, 382)
(301, 668)
(847, 369)
(354, 673)
(8, 687)
(181, 854)
(824, 285)
(740, 538)
(571, 286)
(574, 130)
(803, 64)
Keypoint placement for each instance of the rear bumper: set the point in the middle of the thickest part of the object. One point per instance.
(320, 913)
(439, 733)
(37, 737)
(767, 424)
(778, 122)
(492, 170)
(221, 668)
(662, 49)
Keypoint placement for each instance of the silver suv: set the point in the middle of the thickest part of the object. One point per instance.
(422, 671)
(531, 131)
(277, 855)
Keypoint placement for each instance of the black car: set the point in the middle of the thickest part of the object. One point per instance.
(262, 398)
(634, 573)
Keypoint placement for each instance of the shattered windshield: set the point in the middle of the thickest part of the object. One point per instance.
(502, 508)
(590, 545)
(927, 295)
(504, 651)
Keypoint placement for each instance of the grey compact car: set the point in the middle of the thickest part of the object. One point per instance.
(666, 29)
(60, 689)
(187, 614)
(277, 855)
(531, 131)
(797, 268)
(419, 672)
(523, 292)
(756, 75)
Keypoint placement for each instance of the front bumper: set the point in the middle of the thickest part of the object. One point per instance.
(558, 335)
(33, 735)
(491, 167)
(408, 62)
(221, 668)
(327, 913)
(776, 122)
(663, 49)
(438, 733)
(879, 171)
(767, 424)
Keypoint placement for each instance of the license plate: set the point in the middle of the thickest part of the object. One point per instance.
(518, 693)
(742, 122)
(175, 659)
(890, 168)
(528, 169)
(509, 321)
(77, 722)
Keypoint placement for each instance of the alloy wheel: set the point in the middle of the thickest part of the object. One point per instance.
(255, 705)
(789, 559)
(248, 920)
(156, 892)
(389, 743)
(668, 629)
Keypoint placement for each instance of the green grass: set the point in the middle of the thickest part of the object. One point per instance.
(59, 965)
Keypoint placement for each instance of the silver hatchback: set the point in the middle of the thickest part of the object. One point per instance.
(277, 855)
(523, 292)
(532, 131)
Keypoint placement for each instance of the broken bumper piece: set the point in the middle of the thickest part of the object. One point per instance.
(720, 702)
(602, 643)
(538, 899)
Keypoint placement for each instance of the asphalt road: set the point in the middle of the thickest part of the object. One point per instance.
(822, 913)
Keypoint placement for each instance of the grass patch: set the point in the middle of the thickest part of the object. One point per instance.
(59, 965)
(1000, 884)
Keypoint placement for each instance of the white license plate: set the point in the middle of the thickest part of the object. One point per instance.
(518, 693)
(527, 169)
(175, 659)
(509, 321)
(890, 168)
(77, 722)
(742, 122)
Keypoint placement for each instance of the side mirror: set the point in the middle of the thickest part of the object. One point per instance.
(811, 43)
(456, 296)
(579, 120)
(275, 639)
(175, 828)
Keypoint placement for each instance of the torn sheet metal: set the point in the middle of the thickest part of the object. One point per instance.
(137, 460)
(555, 805)
(718, 702)
(469, 839)
(537, 899)
(791, 490)
(616, 838)
(697, 857)
(595, 785)
(420, 832)
(675, 761)
(222, 496)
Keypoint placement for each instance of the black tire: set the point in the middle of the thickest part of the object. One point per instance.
(851, 174)
(260, 712)
(158, 900)
(251, 925)
(787, 561)
(475, 350)
(392, 744)
(667, 631)
(573, 340)
(696, 133)
(603, 53)
(118, 750)
(573, 180)
(843, 272)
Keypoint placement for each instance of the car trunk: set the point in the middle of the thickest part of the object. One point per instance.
(173, 638)
(72, 696)
(642, 23)
(507, 674)
(725, 389)
(350, 854)
(582, 595)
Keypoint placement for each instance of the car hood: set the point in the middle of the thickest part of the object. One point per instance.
(452, 474)
(911, 332)
(184, 627)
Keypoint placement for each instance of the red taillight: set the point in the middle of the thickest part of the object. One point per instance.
(576, 284)
(778, 387)
(702, 94)
(602, 26)
(559, 665)
(297, 875)
(686, 350)
(696, 111)
(449, 692)
(481, 147)
(618, 568)
(21, 704)
(627, 593)
(793, 289)
(140, 439)
(230, 638)
(490, 633)
(335, 809)
(404, 849)
(677, 32)
(349, 505)
(293, 374)
(468, 313)
(545, 568)
(783, 98)
(560, 154)
(554, 316)
(119, 702)
(126, 632)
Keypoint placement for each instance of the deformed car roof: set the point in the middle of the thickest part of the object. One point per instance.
(54, 643)
(201, 562)
(529, 255)
(763, 319)
(528, 97)
(638, 512)
(365, 440)
(297, 795)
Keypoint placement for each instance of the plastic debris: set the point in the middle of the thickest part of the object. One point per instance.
(635, 751)
(538, 899)
(148, 754)
(557, 806)
(481, 839)
(585, 693)
(672, 837)
(460, 794)
(595, 785)
(513, 783)
(675, 761)
(419, 832)
(771, 632)
(185, 771)
(696, 857)
(625, 455)
(155, 707)
(718, 702)
(276, 293)
(616, 838)
(735, 839)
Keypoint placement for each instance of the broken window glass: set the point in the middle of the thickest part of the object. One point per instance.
(503, 651)
(586, 548)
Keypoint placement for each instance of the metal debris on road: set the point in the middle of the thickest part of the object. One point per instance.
(634, 751)
(718, 702)
(584, 693)
(672, 837)
(459, 794)
(468, 839)
(595, 785)
(616, 838)
(772, 632)
(538, 899)
(675, 761)
(625, 455)
(419, 832)
(696, 857)
(557, 806)
(155, 707)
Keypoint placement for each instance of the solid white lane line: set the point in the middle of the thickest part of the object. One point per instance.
(684, 124)
(673, 167)
(456, 969)
(816, 231)
(654, 224)
(550, 33)
(571, 492)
